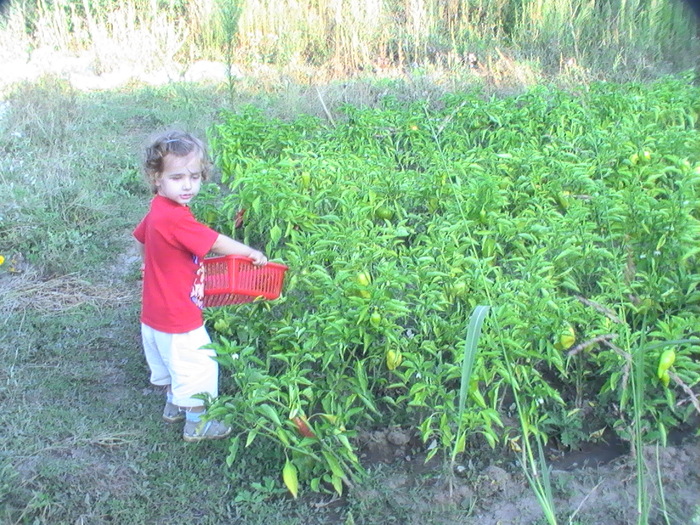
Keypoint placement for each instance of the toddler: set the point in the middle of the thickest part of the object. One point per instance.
(173, 244)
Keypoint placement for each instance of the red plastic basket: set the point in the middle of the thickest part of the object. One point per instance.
(234, 279)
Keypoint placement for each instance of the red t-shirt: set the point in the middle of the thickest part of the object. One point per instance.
(173, 283)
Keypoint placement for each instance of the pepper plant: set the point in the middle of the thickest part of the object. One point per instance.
(573, 216)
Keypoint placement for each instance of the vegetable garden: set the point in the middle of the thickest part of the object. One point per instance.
(568, 222)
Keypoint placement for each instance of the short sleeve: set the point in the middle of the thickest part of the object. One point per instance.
(192, 235)
(140, 231)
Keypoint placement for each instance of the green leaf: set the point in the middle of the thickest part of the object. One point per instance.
(489, 438)
(251, 437)
(275, 234)
(271, 413)
(337, 483)
(232, 450)
(333, 464)
(470, 350)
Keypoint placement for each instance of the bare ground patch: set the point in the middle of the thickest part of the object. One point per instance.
(594, 485)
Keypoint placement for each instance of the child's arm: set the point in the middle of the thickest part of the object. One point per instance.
(224, 245)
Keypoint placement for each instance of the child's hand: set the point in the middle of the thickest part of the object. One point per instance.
(258, 258)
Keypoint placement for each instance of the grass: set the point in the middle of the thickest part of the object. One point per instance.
(84, 443)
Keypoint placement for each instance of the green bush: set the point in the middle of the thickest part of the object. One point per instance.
(574, 217)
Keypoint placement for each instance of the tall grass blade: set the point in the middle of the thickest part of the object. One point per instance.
(473, 333)
(638, 396)
(546, 481)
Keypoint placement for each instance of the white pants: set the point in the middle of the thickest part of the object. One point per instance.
(179, 360)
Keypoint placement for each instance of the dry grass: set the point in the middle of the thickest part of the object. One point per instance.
(27, 291)
(323, 42)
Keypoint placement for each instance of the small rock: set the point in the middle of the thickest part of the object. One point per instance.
(496, 474)
(493, 480)
(398, 437)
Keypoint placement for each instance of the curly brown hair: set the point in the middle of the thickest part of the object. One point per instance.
(178, 143)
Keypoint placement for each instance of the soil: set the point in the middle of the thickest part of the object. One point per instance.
(594, 484)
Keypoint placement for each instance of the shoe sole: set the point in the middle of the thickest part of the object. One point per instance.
(175, 419)
(197, 439)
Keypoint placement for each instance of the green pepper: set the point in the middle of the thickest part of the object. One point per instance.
(668, 357)
(393, 359)
(363, 279)
(221, 326)
(290, 478)
(384, 212)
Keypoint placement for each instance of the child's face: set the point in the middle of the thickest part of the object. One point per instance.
(181, 178)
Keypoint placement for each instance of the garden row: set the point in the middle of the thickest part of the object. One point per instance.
(573, 216)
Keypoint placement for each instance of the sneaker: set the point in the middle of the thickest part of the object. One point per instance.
(200, 430)
(173, 413)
